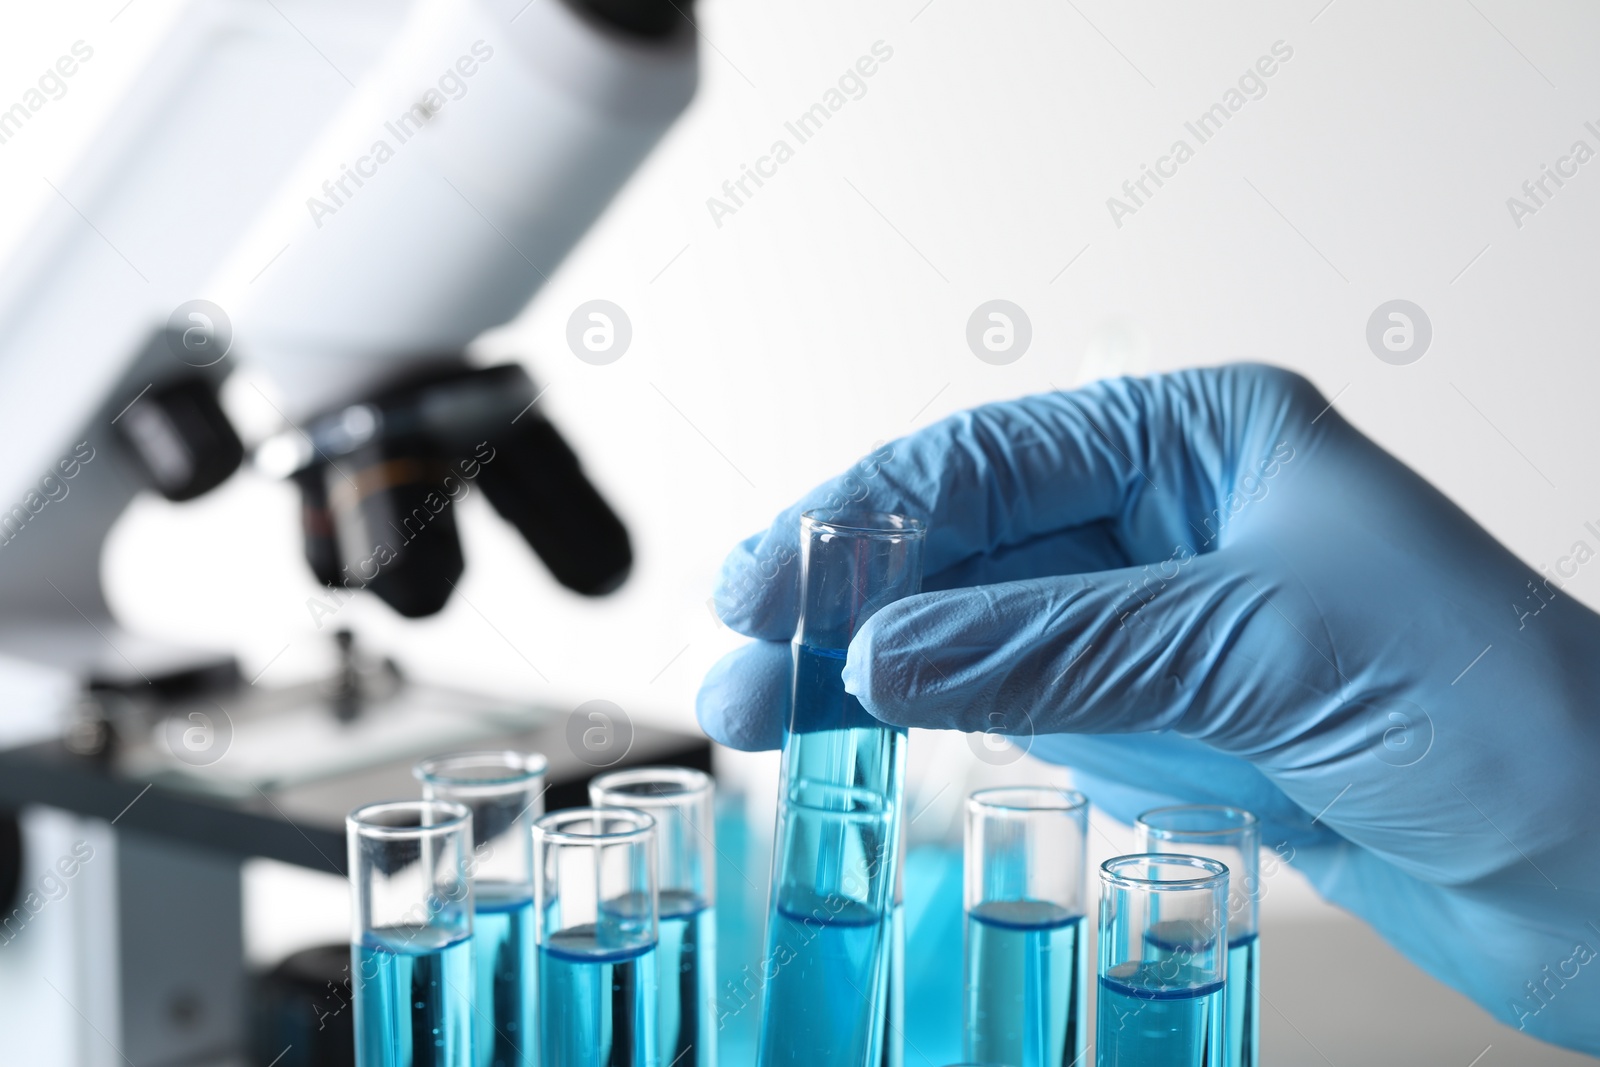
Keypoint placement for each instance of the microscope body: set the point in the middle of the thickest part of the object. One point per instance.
(477, 146)
(345, 194)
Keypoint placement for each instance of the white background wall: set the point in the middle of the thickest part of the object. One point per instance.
(829, 312)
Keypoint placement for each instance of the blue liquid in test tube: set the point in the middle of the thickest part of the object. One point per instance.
(1026, 983)
(1159, 1021)
(682, 802)
(1163, 962)
(1231, 836)
(504, 790)
(1026, 957)
(894, 1015)
(602, 1001)
(1244, 1001)
(596, 899)
(826, 968)
(687, 955)
(502, 941)
(825, 1000)
(413, 1007)
(825, 995)
(894, 1012)
(411, 946)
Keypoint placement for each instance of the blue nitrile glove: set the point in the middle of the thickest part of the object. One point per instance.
(1223, 592)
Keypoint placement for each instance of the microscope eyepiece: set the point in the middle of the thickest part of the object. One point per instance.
(538, 486)
(181, 437)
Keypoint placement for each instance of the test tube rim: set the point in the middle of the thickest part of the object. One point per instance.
(528, 767)
(644, 829)
(865, 522)
(1218, 872)
(359, 820)
(604, 784)
(1248, 822)
(981, 802)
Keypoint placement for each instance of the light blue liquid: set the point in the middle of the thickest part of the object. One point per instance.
(597, 1006)
(741, 910)
(686, 984)
(503, 1033)
(413, 994)
(1025, 968)
(823, 1001)
(894, 1016)
(825, 992)
(1155, 1013)
(1244, 1002)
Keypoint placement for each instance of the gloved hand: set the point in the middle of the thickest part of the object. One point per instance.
(1208, 587)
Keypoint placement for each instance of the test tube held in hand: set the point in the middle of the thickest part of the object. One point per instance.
(841, 789)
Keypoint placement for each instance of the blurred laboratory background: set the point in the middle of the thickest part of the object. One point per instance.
(786, 312)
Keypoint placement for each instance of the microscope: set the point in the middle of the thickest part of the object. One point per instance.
(343, 196)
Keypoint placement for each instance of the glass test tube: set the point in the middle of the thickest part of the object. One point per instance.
(595, 902)
(1026, 946)
(1231, 836)
(505, 793)
(839, 807)
(894, 1014)
(1163, 961)
(411, 943)
(682, 802)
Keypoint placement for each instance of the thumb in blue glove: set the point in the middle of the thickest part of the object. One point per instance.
(1207, 586)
